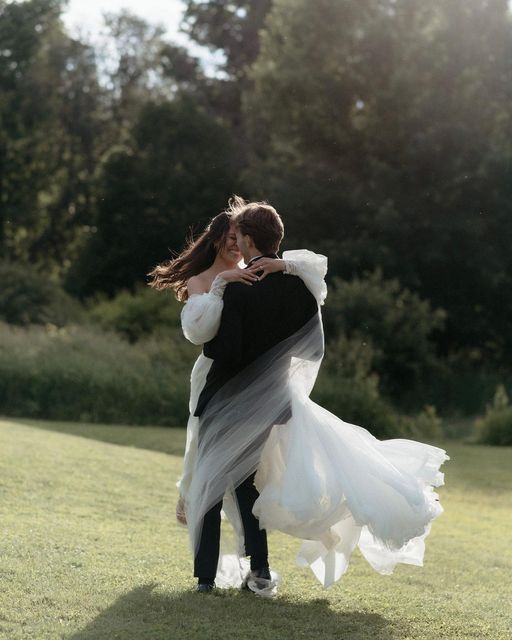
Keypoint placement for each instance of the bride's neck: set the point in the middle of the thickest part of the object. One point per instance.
(221, 264)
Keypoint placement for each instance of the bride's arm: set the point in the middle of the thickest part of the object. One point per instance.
(200, 316)
(310, 267)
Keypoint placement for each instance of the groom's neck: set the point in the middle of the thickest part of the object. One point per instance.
(253, 253)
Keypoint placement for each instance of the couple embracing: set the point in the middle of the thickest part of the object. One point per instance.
(258, 448)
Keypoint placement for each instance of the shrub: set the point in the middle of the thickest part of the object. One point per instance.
(82, 373)
(398, 323)
(29, 297)
(346, 387)
(496, 426)
(136, 315)
(458, 392)
(425, 425)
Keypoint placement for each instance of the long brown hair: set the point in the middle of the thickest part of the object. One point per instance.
(198, 255)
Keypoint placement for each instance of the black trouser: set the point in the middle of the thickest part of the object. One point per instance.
(205, 562)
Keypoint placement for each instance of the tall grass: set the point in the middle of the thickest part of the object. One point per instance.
(84, 373)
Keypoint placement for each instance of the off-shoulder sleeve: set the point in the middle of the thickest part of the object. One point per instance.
(311, 268)
(200, 316)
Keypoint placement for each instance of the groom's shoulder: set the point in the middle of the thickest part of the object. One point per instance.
(294, 284)
(277, 283)
(235, 291)
(240, 292)
(290, 290)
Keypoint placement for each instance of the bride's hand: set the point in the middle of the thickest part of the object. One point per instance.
(180, 512)
(239, 275)
(267, 265)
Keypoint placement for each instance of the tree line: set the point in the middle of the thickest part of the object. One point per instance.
(380, 129)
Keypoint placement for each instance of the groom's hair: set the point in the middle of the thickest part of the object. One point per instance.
(260, 221)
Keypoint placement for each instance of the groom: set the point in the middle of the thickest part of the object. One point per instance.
(254, 319)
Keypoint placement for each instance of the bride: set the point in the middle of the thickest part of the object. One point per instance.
(369, 481)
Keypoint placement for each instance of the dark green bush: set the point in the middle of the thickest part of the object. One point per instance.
(397, 322)
(458, 392)
(426, 425)
(496, 429)
(346, 387)
(136, 315)
(356, 402)
(29, 297)
(496, 426)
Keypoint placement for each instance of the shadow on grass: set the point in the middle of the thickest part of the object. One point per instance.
(230, 614)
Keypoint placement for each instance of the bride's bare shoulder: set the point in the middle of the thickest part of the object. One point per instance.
(197, 284)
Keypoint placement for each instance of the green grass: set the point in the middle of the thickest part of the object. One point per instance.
(165, 439)
(90, 551)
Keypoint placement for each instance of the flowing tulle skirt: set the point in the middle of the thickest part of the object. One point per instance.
(336, 487)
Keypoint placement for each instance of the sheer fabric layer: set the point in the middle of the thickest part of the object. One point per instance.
(200, 320)
(334, 485)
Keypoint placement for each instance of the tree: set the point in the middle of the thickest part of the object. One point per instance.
(395, 324)
(25, 114)
(231, 27)
(175, 173)
(74, 142)
(138, 65)
(379, 128)
(51, 127)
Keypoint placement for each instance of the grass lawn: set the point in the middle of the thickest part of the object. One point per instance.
(89, 550)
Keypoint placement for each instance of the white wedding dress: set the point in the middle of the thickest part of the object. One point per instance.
(380, 492)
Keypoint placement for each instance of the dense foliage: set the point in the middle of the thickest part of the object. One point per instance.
(29, 297)
(380, 129)
(90, 375)
(496, 425)
(396, 322)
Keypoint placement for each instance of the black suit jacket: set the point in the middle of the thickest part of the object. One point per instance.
(254, 319)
